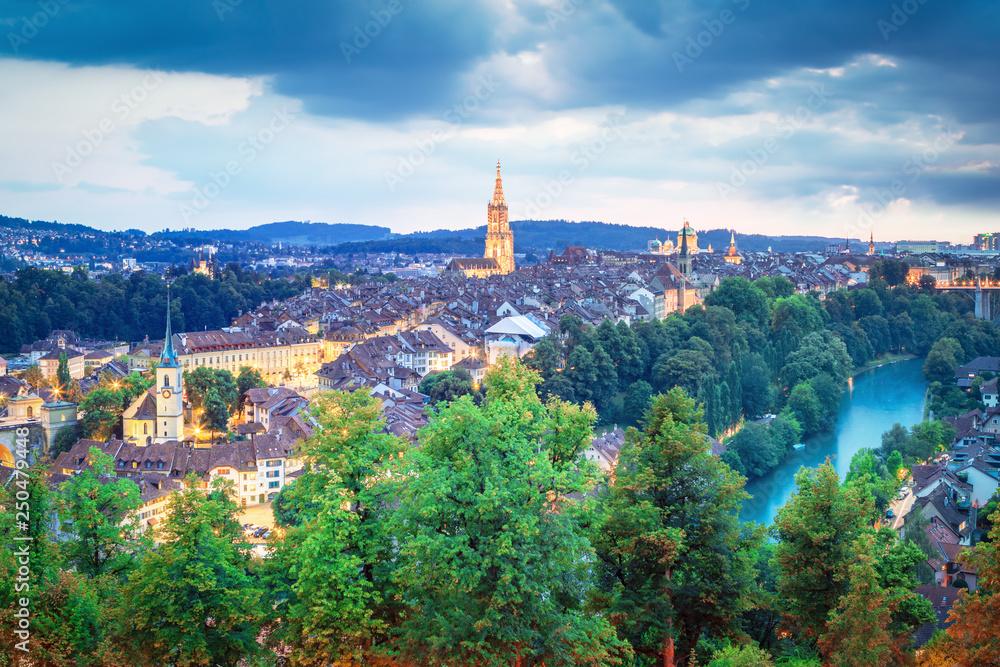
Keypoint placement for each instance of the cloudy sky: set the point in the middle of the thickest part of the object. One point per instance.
(807, 117)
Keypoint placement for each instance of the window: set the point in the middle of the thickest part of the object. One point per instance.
(145, 429)
(273, 485)
(166, 380)
(159, 465)
(273, 464)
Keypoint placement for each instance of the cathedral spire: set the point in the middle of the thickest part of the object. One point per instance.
(168, 357)
(498, 189)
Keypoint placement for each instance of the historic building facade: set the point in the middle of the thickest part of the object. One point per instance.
(157, 415)
(499, 255)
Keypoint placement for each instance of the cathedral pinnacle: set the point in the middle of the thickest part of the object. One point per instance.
(498, 189)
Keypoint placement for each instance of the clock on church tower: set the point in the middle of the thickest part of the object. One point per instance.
(169, 390)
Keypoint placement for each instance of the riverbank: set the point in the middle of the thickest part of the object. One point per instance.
(891, 393)
(878, 363)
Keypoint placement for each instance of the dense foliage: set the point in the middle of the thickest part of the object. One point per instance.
(495, 542)
(757, 348)
(116, 308)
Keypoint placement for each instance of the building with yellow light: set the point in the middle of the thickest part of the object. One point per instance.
(499, 255)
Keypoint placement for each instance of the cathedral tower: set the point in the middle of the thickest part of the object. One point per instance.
(499, 238)
(169, 390)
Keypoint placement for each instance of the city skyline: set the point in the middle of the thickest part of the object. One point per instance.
(678, 114)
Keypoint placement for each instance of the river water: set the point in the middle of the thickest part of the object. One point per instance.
(878, 399)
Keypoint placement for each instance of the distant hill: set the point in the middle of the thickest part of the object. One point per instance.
(292, 232)
(558, 234)
(541, 235)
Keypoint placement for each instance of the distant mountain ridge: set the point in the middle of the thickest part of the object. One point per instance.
(538, 234)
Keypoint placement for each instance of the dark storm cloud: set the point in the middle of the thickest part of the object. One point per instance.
(317, 50)
(925, 65)
(637, 52)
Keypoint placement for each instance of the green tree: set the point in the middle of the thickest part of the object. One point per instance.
(755, 448)
(806, 408)
(192, 601)
(857, 632)
(820, 352)
(331, 574)
(215, 414)
(893, 271)
(68, 436)
(545, 357)
(684, 369)
(492, 553)
(448, 385)
(637, 399)
(249, 378)
(581, 373)
(893, 464)
(99, 512)
(944, 357)
(63, 378)
(64, 610)
(798, 315)
(103, 411)
(901, 332)
(34, 377)
(895, 439)
(816, 530)
(201, 380)
(929, 437)
(756, 387)
(606, 384)
(786, 432)
(745, 299)
(674, 562)
(735, 655)
(866, 303)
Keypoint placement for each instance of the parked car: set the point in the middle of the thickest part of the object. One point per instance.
(266, 534)
(888, 513)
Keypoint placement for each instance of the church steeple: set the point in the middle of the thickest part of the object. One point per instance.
(498, 189)
(871, 244)
(684, 257)
(499, 239)
(168, 357)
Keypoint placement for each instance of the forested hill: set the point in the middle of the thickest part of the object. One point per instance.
(559, 234)
(292, 232)
(38, 301)
(537, 234)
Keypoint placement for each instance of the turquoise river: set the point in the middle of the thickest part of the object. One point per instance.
(879, 398)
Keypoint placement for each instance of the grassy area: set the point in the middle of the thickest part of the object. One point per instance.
(887, 359)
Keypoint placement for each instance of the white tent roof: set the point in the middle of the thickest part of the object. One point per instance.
(519, 325)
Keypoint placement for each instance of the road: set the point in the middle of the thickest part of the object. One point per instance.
(900, 508)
